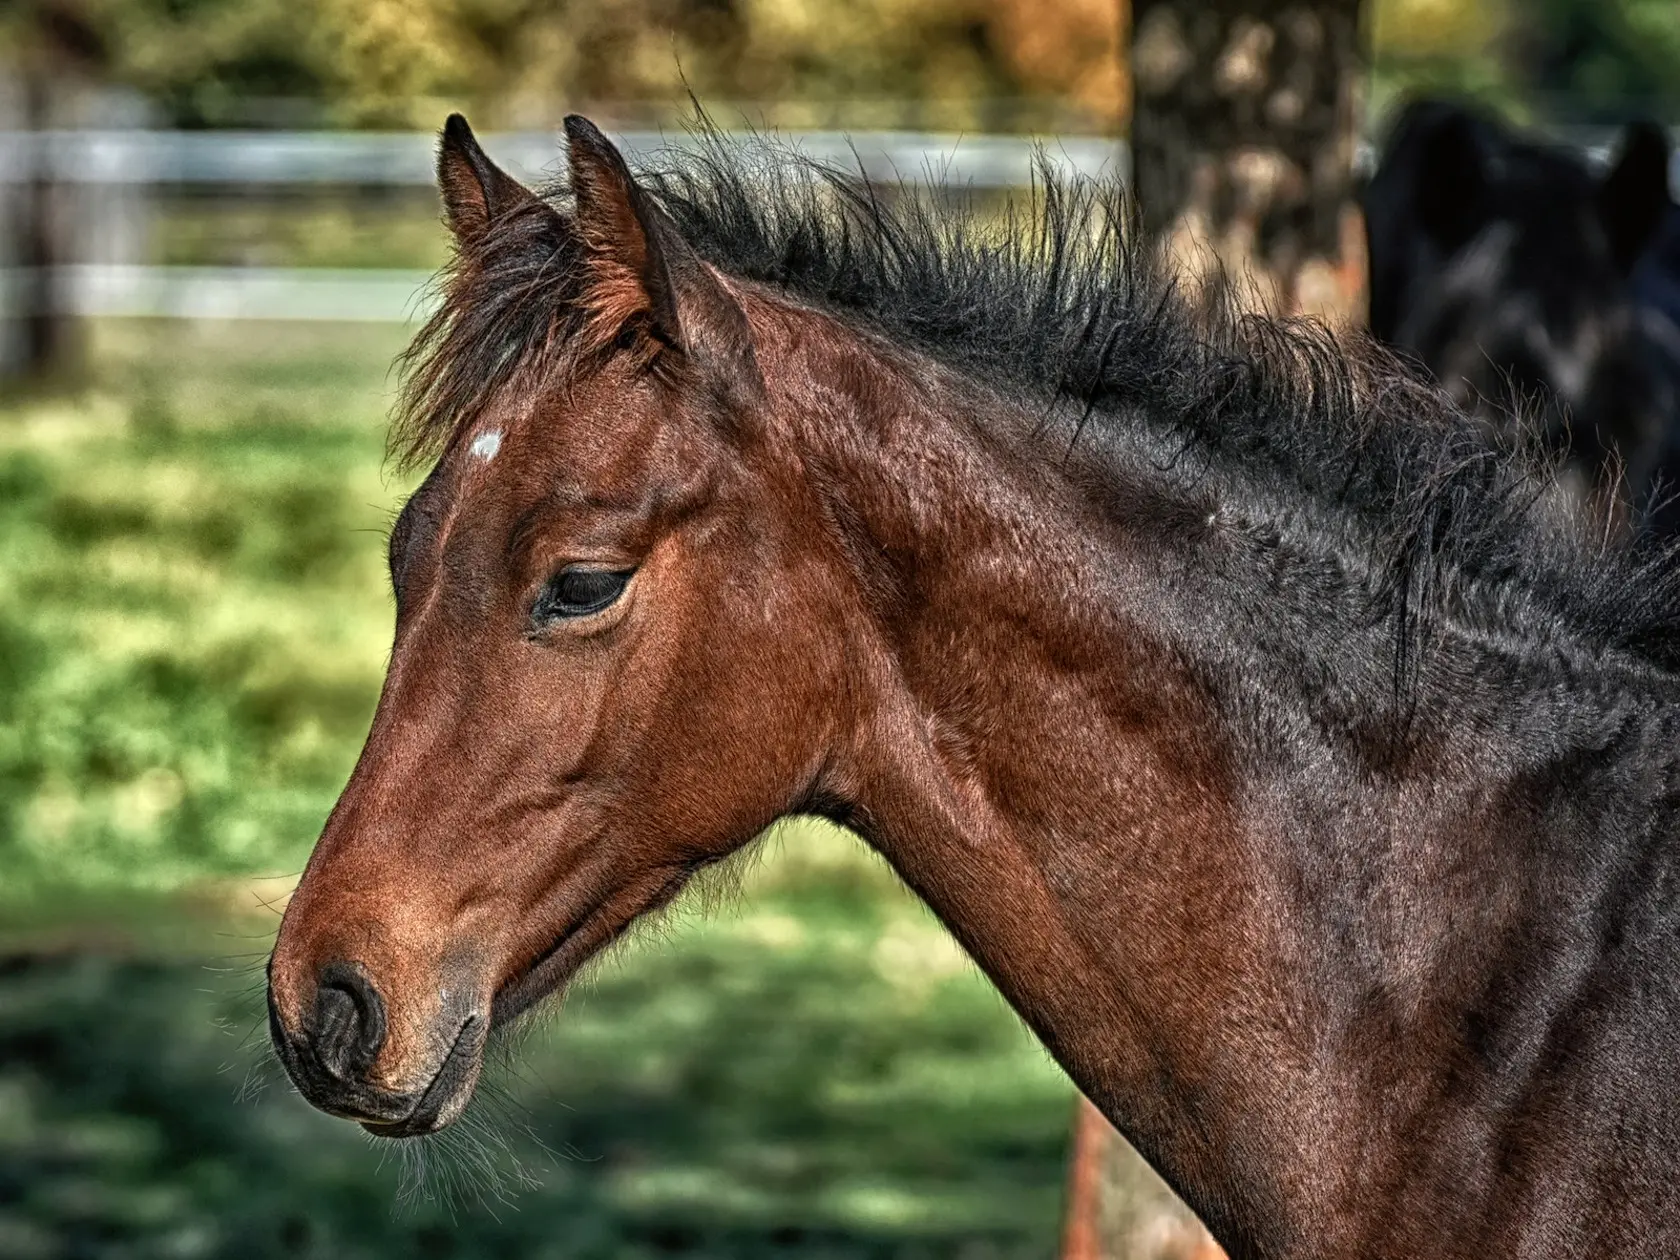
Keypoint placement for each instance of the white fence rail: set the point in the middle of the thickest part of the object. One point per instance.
(396, 159)
(363, 295)
(406, 158)
(109, 174)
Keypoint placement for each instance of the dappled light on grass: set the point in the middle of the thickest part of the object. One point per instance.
(721, 1088)
(193, 610)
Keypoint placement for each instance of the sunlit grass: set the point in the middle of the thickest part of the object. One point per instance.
(193, 615)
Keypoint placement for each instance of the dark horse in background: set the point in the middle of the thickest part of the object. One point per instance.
(1304, 775)
(1527, 285)
(1656, 292)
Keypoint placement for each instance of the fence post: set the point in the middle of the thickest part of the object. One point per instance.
(16, 159)
(52, 75)
(1118, 1208)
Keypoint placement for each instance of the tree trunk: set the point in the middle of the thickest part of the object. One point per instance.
(1244, 125)
(50, 346)
(56, 61)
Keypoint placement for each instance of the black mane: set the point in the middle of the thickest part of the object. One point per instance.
(1056, 304)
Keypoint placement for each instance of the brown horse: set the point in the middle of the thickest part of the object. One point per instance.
(1300, 771)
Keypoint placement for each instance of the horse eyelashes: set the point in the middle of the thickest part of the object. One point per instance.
(590, 588)
(577, 591)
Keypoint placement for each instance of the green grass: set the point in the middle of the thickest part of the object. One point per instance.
(193, 615)
(193, 625)
(325, 228)
(819, 1073)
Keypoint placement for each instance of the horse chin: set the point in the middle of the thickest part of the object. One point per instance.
(447, 1094)
(579, 942)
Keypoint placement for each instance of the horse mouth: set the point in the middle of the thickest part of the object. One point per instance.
(446, 1094)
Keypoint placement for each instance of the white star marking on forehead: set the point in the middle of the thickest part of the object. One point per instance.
(486, 444)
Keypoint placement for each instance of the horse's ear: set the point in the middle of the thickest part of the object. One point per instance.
(643, 272)
(1452, 181)
(476, 192)
(1633, 197)
(624, 243)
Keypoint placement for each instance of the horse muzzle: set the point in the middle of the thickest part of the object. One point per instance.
(334, 1054)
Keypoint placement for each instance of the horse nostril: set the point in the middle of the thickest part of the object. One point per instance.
(349, 1021)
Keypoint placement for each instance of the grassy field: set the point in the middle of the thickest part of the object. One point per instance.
(193, 623)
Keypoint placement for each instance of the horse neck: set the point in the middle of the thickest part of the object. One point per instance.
(1218, 935)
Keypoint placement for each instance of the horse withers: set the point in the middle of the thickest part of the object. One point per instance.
(1507, 268)
(1304, 777)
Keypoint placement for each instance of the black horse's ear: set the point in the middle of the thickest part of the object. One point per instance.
(1633, 196)
(643, 271)
(476, 192)
(1452, 181)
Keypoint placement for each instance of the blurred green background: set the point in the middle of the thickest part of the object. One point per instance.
(194, 620)
(971, 64)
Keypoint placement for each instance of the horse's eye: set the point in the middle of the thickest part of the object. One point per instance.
(577, 591)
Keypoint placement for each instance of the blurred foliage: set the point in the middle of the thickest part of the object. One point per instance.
(1448, 47)
(522, 62)
(1556, 60)
(1412, 28)
(1605, 58)
(995, 64)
